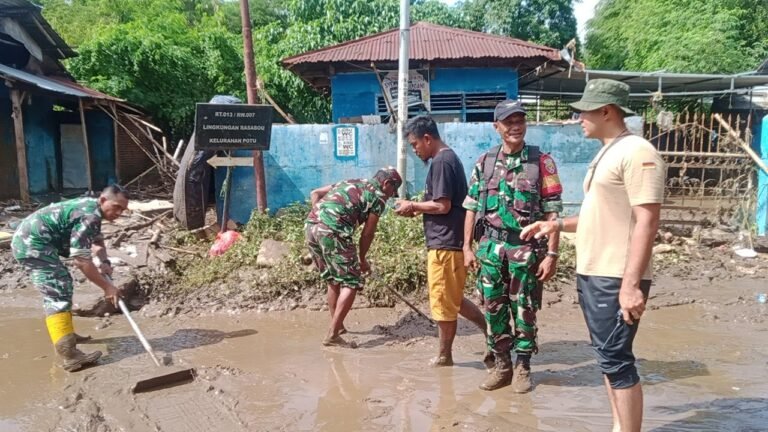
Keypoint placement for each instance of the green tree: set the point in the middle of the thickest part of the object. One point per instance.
(547, 22)
(704, 36)
(309, 25)
(163, 62)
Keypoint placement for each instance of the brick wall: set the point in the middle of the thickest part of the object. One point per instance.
(131, 160)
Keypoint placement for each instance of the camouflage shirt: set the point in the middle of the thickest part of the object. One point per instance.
(67, 228)
(515, 195)
(348, 205)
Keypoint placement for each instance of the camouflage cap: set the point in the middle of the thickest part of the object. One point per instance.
(601, 92)
(389, 173)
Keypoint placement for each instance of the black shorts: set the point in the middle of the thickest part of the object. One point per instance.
(611, 337)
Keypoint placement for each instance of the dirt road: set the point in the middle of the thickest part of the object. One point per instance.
(703, 366)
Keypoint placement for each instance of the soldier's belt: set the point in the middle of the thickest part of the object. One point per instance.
(507, 236)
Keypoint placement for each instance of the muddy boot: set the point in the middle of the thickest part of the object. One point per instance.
(521, 382)
(71, 357)
(489, 360)
(501, 375)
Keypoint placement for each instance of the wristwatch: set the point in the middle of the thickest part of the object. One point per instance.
(560, 224)
(553, 254)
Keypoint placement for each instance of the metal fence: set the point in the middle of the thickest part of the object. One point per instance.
(710, 178)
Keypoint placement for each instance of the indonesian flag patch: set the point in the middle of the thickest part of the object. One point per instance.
(550, 181)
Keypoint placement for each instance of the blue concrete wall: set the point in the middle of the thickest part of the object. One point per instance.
(762, 184)
(354, 94)
(41, 138)
(301, 160)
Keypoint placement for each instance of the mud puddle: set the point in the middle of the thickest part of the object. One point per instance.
(268, 372)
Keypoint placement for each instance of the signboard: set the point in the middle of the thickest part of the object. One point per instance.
(418, 89)
(345, 142)
(232, 127)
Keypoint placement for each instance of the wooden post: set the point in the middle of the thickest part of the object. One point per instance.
(17, 99)
(250, 87)
(115, 129)
(87, 148)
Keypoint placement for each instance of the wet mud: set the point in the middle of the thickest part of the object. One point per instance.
(701, 349)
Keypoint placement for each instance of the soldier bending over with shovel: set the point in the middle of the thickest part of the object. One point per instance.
(69, 229)
(337, 210)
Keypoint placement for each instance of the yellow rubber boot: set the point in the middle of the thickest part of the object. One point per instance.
(64, 340)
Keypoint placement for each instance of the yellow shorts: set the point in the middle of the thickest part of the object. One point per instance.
(446, 276)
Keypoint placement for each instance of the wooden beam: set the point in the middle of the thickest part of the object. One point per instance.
(743, 144)
(87, 148)
(115, 130)
(156, 145)
(17, 99)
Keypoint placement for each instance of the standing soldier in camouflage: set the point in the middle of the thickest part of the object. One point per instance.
(511, 186)
(337, 210)
(69, 229)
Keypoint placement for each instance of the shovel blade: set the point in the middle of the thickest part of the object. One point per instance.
(163, 381)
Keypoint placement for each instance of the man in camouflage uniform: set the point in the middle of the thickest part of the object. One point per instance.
(68, 229)
(511, 186)
(337, 210)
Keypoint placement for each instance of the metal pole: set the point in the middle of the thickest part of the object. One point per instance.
(250, 87)
(402, 91)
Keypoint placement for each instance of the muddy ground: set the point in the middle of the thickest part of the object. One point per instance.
(701, 349)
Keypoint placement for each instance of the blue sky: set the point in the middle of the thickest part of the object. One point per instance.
(583, 9)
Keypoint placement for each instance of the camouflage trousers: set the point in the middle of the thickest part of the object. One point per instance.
(335, 256)
(53, 280)
(511, 295)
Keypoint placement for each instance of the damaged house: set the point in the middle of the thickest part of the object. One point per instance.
(57, 137)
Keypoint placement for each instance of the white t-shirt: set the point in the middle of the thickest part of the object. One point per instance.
(626, 173)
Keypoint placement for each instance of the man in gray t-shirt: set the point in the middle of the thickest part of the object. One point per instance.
(443, 213)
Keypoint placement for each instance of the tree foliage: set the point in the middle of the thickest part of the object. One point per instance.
(705, 36)
(547, 22)
(166, 55)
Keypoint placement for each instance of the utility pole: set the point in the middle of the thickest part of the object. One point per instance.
(250, 86)
(402, 91)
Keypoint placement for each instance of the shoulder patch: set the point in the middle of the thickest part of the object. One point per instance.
(549, 165)
(550, 183)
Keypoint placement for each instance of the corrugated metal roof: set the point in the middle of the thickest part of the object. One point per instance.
(644, 84)
(428, 42)
(56, 85)
(30, 17)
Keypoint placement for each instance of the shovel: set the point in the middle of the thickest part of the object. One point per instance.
(165, 380)
(410, 305)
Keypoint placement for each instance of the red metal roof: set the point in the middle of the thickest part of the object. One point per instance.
(89, 91)
(428, 42)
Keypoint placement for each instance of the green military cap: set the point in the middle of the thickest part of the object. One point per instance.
(601, 92)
